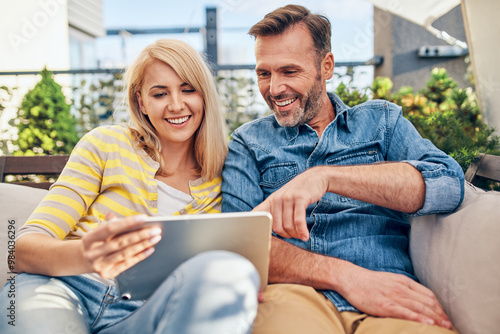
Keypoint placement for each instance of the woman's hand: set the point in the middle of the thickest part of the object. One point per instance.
(118, 244)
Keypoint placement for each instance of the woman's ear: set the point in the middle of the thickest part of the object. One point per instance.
(141, 104)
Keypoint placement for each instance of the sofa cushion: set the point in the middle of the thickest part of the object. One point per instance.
(16, 204)
(456, 256)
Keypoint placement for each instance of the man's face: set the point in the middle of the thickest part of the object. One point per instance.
(288, 76)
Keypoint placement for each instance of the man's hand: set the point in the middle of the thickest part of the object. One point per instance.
(392, 295)
(372, 292)
(288, 205)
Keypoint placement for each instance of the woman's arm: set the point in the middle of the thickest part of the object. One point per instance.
(108, 250)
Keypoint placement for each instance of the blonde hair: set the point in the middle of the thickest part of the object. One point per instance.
(210, 143)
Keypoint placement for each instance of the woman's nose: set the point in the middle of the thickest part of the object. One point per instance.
(175, 103)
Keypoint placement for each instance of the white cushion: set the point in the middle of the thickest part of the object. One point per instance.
(16, 205)
(457, 257)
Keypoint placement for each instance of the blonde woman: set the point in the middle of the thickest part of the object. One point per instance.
(84, 233)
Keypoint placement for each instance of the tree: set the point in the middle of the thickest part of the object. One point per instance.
(45, 123)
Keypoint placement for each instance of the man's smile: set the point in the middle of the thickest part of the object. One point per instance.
(285, 102)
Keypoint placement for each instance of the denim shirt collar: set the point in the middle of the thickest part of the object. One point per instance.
(341, 113)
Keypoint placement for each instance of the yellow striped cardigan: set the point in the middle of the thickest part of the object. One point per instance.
(107, 172)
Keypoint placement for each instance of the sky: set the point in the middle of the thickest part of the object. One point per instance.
(352, 26)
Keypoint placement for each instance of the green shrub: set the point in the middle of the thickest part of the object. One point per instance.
(351, 97)
(45, 124)
(445, 114)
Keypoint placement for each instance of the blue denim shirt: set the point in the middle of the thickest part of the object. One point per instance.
(263, 156)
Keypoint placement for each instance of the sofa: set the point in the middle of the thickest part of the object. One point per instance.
(455, 255)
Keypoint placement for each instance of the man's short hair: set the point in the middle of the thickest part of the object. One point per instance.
(279, 20)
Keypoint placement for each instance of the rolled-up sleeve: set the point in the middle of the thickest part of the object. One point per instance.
(443, 176)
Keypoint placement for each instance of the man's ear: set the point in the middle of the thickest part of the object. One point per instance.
(141, 104)
(327, 66)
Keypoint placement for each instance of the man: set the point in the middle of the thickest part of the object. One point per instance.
(340, 183)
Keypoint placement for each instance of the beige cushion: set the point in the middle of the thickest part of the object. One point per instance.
(16, 204)
(457, 257)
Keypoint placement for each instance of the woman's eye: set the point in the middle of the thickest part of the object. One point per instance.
(189, 90)
(159, 95)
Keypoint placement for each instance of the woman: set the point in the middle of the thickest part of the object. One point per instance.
(168, 161)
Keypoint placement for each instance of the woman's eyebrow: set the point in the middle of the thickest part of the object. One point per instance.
(158, 86)
(163, 86)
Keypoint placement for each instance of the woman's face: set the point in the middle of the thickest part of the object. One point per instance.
(173, 106)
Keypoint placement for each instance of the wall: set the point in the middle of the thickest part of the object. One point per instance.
(483, 30)
(44, 33)
(34, 35)
(398, 41)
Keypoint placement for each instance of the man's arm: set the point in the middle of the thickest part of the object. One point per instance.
(397, 186)
(376, 293)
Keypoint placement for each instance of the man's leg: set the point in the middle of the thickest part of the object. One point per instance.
(291, 308)
(357, 323)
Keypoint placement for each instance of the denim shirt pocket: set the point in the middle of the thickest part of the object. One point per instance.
(277, 174)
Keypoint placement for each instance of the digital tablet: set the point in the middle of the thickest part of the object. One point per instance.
(244, 233)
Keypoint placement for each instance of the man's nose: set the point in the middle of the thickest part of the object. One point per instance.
(277, 85)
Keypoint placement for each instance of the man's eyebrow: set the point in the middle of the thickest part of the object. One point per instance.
(281, 68)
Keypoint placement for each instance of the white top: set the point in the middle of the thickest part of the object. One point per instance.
(171, 200)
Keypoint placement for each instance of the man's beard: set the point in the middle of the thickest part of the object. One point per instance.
(310, 106)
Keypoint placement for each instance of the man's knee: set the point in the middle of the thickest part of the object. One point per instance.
(292, 308)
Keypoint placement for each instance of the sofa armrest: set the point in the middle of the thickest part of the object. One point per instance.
(16, 205)
(456, 256)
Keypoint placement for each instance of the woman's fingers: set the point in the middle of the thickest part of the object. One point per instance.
(125, 243)
(120, 267)
(127, 255)
(110, 228)
(118, 244)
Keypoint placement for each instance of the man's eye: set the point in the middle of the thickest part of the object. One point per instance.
(263, 74)
(290, 72)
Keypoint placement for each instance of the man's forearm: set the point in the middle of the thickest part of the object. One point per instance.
(397, 186)
(291, 264)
